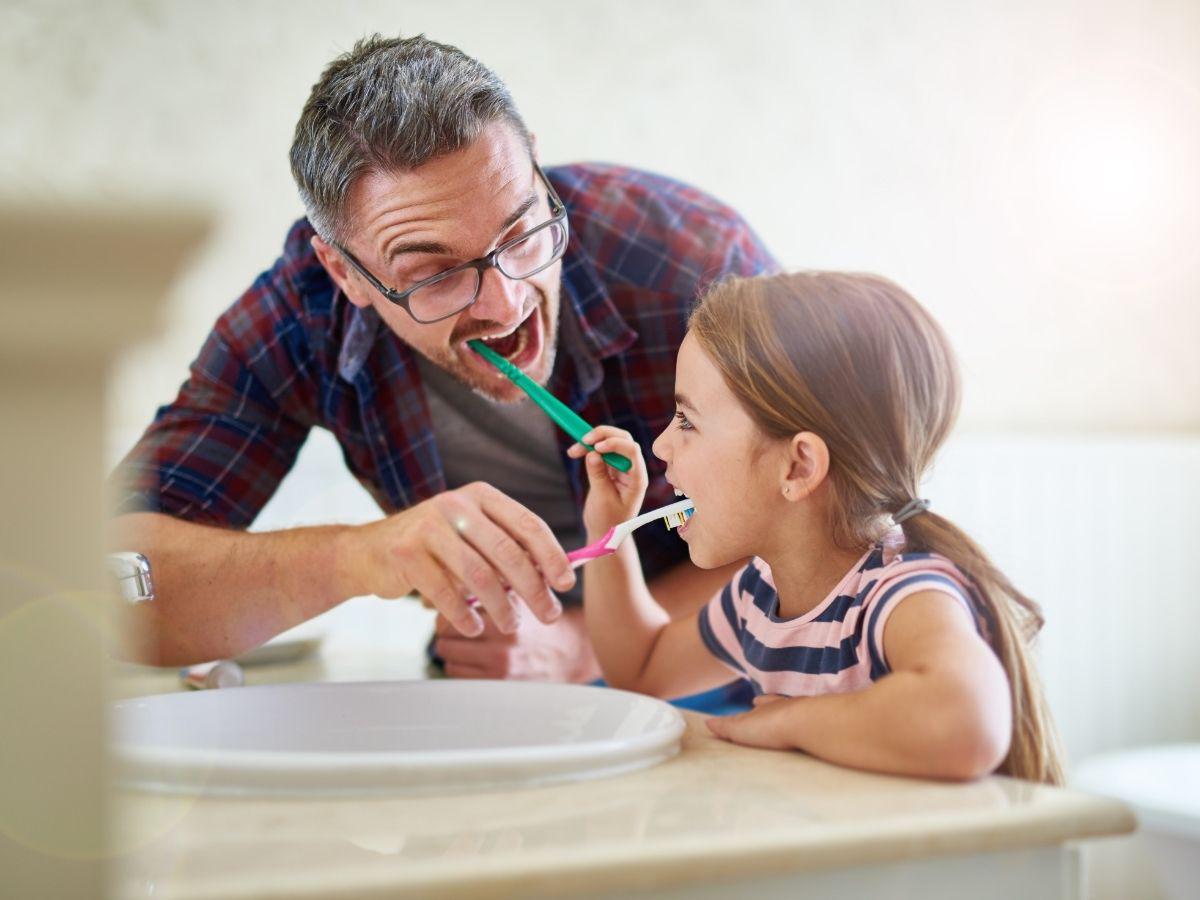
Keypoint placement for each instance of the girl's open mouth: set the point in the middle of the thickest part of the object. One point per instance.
(682, 530)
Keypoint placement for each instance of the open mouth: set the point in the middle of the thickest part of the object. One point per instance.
(522, 346)
(682, 529)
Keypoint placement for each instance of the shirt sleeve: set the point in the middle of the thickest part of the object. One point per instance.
(890, 594)
(720, 622)
(217, 453)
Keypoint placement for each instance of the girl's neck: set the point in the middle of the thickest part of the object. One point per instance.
(806, 566)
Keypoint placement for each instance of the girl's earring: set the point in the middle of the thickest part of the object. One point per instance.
(785, 491)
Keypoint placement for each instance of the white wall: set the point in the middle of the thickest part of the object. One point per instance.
(1027, 168)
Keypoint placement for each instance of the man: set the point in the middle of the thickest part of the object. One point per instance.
(429, 224)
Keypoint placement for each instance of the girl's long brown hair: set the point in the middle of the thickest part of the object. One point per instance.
(856, 360)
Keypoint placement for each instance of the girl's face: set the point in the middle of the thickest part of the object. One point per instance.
(717, 456)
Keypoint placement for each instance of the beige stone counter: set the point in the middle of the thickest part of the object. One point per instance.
(715, 815)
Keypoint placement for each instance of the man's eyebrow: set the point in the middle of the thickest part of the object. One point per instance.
(520, 211)
(442, 250)
(418, 247)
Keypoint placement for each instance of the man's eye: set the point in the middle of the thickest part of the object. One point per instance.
(684, 424)
(413, 276)
(524, 224)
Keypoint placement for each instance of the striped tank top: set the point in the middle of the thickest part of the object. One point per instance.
(837, 646)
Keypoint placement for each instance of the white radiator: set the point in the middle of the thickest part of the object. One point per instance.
(1099, 531)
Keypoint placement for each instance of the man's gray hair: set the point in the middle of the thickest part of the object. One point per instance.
(390, 104)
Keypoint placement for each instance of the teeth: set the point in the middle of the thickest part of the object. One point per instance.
(674, 520)
(496, 337)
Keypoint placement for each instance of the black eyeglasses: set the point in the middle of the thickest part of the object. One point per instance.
(446, 293)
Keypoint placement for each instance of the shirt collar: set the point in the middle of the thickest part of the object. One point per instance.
(362, 326)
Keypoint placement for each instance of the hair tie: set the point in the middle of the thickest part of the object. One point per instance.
(910, 509)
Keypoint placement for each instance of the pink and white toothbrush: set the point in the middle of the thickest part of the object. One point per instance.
(673, 515)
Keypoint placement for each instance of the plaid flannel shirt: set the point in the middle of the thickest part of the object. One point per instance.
(292, 354)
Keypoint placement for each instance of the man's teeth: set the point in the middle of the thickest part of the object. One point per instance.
(495, 337)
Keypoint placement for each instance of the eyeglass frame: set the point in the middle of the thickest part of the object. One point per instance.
(558, 212)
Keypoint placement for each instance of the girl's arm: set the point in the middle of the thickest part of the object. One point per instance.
(638, 646)
(943, 712)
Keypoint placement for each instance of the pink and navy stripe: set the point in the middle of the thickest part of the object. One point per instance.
(837, 646)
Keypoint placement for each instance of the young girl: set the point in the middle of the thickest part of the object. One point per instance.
(875, 633)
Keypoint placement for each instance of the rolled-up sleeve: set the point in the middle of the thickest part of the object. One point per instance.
(217, 453)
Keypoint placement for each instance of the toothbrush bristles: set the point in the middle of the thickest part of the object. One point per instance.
(674, 520)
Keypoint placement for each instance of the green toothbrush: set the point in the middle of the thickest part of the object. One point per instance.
(561, 414)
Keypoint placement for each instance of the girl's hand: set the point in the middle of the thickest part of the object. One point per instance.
(768, 725)
(613, 496)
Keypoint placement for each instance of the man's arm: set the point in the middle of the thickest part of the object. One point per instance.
(220, 592)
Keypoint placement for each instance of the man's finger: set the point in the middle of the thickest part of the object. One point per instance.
(444, 594)
(479, 652)
(534, 535)
(525, 582)
(478, 574)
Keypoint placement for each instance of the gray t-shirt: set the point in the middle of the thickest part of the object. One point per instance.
(511, 446)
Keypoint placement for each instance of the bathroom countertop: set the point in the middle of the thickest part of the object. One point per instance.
(716, 811)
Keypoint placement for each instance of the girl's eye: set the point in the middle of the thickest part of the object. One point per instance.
(684, 424)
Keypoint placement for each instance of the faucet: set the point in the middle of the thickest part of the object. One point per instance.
(132, 571)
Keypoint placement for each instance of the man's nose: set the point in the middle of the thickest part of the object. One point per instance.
(500, 299)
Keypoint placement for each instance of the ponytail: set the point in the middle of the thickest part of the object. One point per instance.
(1012, 621)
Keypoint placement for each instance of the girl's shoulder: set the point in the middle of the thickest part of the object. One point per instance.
(889, 562)
(890, 575)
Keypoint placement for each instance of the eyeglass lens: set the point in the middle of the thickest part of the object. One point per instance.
(458, 290)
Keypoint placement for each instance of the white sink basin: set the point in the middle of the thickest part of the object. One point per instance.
(386, 737)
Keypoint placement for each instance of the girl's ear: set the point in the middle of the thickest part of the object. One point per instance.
(807, 464)
(339, 270)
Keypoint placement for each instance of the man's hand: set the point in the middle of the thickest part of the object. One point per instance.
(534, 652)
(470, 541)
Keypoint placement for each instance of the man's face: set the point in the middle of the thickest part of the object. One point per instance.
(408, 226)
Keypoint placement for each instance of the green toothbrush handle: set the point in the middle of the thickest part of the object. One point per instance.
(561, 414)
(616, 460)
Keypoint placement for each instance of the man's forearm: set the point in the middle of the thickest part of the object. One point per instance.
(220, 592)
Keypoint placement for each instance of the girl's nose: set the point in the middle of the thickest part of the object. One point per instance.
(660, 446)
